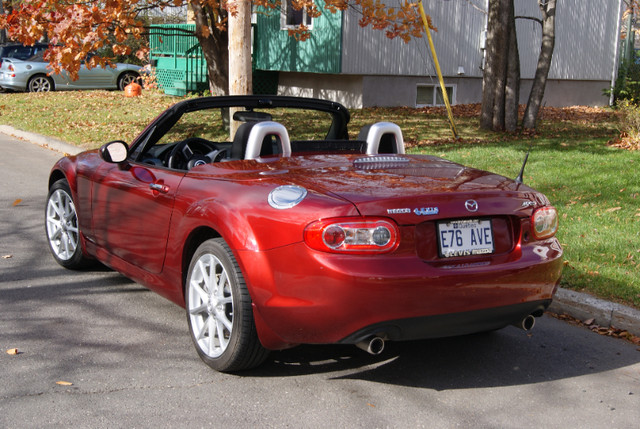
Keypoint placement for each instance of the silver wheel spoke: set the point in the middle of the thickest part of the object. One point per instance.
(222, 282)
(202, 294)
(202, 274)
(211, 328)
(224, 321)
(66, 244)
(221, 338)
(57, 231)
(201, 309)
(204, 329)
(225, 300)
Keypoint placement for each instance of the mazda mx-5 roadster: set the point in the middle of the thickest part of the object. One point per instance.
(296, 231)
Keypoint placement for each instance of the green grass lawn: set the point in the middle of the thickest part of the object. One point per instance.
(595, 187)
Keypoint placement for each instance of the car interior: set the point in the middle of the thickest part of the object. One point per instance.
(201, 137)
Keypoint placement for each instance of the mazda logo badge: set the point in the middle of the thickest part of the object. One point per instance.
(471, 205)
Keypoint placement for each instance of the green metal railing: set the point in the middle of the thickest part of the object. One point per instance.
(177, 55)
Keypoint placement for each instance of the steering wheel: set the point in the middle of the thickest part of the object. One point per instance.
(183, 156)
(216, 155)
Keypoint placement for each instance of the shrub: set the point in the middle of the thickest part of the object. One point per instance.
(629, 125)
(627, 85)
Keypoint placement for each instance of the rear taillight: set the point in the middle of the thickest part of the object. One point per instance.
(353, 235)
(544, 223)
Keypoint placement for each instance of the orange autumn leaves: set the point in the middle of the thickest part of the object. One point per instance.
(74, 29)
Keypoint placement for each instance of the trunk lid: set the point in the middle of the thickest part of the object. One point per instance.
(412, 188)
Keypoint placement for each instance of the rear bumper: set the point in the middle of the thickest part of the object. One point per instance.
(448, 325)
(12, 84)
(304, 296)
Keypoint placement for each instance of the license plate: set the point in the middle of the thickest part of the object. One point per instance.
(465, 237)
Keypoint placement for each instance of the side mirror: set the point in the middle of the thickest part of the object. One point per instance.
(115, 152)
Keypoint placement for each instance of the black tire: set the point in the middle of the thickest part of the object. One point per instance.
(125, 79)
(40, 83)
(226, 310)
(61, 227)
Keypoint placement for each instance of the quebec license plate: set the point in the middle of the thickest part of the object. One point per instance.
(465, 237)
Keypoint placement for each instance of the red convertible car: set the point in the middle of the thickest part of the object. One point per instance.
(293, 233)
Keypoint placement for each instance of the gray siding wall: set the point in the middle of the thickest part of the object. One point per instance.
(586, 38)
(585, 41)
(460, 26)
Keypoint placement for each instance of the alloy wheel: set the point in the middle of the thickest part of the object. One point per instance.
(62, 225)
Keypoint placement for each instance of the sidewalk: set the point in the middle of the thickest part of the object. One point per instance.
(578, 305)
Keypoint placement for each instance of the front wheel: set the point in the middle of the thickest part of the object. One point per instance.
(61, 224)
(219, 310)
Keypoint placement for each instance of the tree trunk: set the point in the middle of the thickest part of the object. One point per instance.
(488, 80)
(512, 90)
(495, 69)
(240, 49)
(240, 82)
(214, 43)
(548, 9)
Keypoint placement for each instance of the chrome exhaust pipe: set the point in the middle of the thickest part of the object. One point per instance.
(527, 323)
(373, 345)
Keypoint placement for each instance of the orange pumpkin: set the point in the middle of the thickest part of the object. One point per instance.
(132, 90)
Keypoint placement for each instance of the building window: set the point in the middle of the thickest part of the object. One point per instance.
(431, 95)
(291, 18)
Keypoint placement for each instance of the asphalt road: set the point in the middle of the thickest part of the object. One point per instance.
(129, 358)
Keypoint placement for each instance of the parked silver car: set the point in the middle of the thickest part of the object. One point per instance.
(32, 75)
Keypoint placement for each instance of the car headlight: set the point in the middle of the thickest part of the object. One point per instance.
(352, 235)
(544, 222)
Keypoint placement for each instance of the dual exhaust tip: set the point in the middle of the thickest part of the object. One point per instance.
(527, 323)
(375, 345)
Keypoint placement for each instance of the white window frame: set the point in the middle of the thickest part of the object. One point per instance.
(436, 90)
(284, 6)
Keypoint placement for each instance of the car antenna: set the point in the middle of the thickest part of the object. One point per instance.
(524, 164)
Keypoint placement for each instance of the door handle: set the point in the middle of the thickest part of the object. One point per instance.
(159, 188)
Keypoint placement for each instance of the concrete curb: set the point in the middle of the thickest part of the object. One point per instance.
(48, 142)
(584, 307)
(578, 305)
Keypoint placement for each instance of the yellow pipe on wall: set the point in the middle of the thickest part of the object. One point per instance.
(437, 64)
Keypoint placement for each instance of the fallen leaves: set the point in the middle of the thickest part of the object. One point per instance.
(571, 113)
(14, 352)
(625, 142)
(610, 331)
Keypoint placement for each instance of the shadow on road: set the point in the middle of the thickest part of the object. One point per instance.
(502, 358)
(70, 322)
